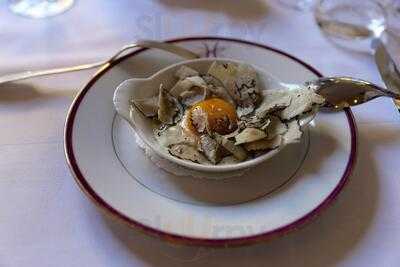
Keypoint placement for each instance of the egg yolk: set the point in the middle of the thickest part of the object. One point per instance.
(220, 114)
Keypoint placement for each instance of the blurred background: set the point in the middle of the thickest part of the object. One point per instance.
(89, 29)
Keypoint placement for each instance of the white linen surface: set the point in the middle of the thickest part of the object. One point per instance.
(46, 221)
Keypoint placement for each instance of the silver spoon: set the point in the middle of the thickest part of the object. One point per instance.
(175, 49)
(342, 92)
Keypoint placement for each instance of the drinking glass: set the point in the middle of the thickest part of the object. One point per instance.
(351, 24)
(39, 8)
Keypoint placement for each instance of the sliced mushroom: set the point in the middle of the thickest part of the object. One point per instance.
(272, 101)
(234, 133)
(186, 123)
(184, 72)
(174, 135)
(276, 127)
(224, 72)
(255, 122)
(186, 84)
(303, 101)
(248, 86)
(212, 81)
(199, 119)
(265, 125)
(241, 82)
(237, 151)
(193, 96)
(211, 149)
(244, 111)
(169, 109)
(264, 144)
(187, 152)
(249, 135)
(293, 133)
(148, 106)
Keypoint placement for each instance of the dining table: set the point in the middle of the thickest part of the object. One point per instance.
(45, 220)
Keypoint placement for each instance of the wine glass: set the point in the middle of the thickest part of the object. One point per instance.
(39, 8)
(351, 24)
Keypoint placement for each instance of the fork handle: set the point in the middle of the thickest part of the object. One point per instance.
(174, 49)
(31, 74)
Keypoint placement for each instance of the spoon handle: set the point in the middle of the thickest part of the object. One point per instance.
(390, 93)
(31, 74)
(174, 49)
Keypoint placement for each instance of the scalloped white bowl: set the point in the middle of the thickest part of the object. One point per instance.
(148, 87)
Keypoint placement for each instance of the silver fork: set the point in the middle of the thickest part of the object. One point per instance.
(175, 49)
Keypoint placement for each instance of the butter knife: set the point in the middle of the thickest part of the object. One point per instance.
(387, 68)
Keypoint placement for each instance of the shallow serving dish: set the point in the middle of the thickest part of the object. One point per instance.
(147, 87)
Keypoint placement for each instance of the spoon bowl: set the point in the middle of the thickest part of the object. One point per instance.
(342, 92)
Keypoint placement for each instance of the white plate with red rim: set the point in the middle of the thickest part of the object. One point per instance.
(273, 198)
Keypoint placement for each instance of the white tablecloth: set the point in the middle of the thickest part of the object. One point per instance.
(46, 221)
